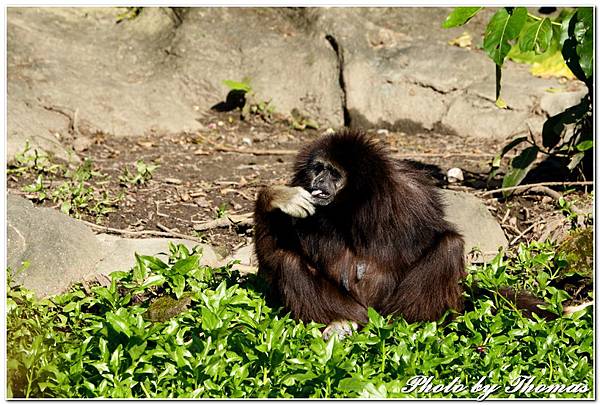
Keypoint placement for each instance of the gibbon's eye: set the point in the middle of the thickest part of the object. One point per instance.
(335, 174)
(318, 167)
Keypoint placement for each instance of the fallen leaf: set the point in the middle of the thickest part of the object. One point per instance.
(462, 41)
(552, 66)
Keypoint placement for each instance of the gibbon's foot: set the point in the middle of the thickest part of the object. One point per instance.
(340, 328)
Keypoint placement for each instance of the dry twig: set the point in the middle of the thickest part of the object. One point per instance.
(141, 233)
(528, 186)
(226, 221)
(555, 195)
(443, 155)
(521, 234)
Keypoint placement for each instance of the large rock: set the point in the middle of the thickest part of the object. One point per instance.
(60, 250)
(478, 226)
(119, 253)
(77, 72)
(399, 72)
(245, 258)
(157, 72)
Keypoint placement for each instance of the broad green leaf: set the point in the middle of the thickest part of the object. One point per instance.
(115, 358)
(586, 56)
(139, 270)
(329, 349)
(520, 166)
(552, 66)
(502, 28)
(65, 207)
(351, 384)
(103, 347)
(372, 391)
(118, 323)
(233, 85)
(460, 16)
(585, 145)
(178, 285)
(155, 279)
(185, 265)
(209, 320)
(375, 318)
(136, 351)
(574, 48)
(153, 263)
(536, 36)
(70, 307)
(585, 39)
(105, 294)
(101, 367)
(512, 144)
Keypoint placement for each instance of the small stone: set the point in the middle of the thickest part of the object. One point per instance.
(202, 202)
(247, 141)
(455, 175)
(185, 197)
(547, 199)
(81, 144)
(383, 132)
(220, 123)
(329, 131)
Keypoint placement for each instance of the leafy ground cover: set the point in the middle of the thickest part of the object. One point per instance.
(172, 328)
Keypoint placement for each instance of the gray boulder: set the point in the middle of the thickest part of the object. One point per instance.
(119, 253)
(59, 250)
(400, 73)
(73, 72)
(157, 72)
(479, 228)
(248, 263)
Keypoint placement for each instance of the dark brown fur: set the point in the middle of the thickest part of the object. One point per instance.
(383, 242)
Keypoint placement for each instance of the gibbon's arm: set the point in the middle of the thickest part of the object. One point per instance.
(302, 288)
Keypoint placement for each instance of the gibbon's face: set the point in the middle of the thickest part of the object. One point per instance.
(326, 180)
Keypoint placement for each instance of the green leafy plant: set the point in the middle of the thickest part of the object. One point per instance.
(301, 121)
(512, 30)
(32, 161)
(130, 13)
(73, 195)
(37, 189)
(76, 198)
(172, 328)
(252, 105)
(143, 173)
(221, 210)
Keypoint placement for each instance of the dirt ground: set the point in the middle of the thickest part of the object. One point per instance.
(217, 171)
